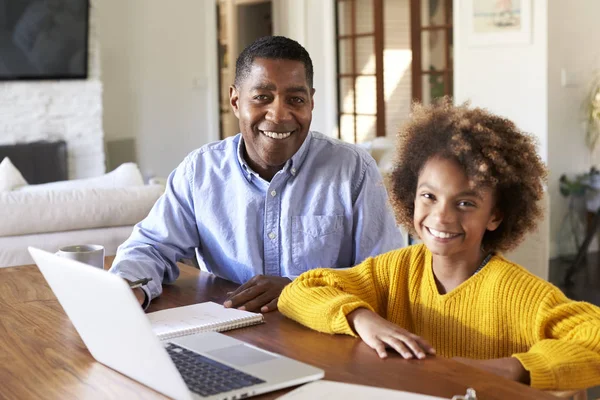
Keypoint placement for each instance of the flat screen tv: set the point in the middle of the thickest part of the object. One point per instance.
(43, 39)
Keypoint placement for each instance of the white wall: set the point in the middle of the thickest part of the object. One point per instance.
(311, 23)
(160, 77)
(510, 80)
(573, 46)
(69, 110)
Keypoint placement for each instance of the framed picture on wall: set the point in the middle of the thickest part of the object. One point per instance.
(493, 22)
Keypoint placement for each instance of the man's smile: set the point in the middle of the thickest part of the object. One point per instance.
(276, 135)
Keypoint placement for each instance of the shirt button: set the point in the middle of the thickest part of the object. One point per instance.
(273, 193)
(271, 236)
(293, 171)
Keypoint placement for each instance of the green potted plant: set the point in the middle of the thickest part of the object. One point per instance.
(583, 194)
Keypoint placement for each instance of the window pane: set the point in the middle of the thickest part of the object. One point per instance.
(433, 87)
(366, 127)
(347, 128)
(365, 55)
(345, 53)
(366, 95)
(344, 17)
(364, 16)
(433, 12)
(346, 95)
(433, 54)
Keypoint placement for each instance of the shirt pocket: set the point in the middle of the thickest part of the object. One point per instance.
(316, 241)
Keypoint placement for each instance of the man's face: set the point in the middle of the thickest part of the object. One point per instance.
(274, 105)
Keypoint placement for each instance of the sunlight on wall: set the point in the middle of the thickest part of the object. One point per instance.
(397, 67)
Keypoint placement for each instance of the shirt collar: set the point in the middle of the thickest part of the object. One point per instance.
(292, 165)
(248, 172)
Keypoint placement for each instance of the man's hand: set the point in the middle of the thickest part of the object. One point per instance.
(139, 295)
(259, 293)
(377, 333)
(508, 367)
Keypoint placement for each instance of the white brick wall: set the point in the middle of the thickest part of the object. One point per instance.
(70, 110)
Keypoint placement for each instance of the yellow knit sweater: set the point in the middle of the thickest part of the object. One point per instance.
(499, 312)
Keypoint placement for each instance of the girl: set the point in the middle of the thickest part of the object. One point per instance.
(469, 183)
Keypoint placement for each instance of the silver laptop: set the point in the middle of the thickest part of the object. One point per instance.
(118, 334)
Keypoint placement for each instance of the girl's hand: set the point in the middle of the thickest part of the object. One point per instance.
(378, 333)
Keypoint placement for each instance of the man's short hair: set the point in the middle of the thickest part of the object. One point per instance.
(274, 48)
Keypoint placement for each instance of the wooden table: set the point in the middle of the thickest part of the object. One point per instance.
(42, 356)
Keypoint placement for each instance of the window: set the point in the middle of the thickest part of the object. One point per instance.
(361, 103)
(431, 39)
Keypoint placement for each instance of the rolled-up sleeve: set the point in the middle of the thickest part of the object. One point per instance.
(168, 234)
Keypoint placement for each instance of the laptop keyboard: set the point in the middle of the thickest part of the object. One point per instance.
(205, 376)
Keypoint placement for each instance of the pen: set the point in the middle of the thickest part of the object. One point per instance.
(139, 283)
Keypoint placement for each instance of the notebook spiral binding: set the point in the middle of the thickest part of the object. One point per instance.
(224, 325)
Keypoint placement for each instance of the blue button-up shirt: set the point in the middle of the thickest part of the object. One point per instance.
(327, 207)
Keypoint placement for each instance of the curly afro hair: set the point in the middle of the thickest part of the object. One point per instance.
(493, 152)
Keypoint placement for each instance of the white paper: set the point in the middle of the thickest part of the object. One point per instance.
(329, 390)
(206, 316)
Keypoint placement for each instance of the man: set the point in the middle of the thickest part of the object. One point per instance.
(270, 203)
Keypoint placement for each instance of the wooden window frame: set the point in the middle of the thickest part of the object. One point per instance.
(378, 43)
(416, 32)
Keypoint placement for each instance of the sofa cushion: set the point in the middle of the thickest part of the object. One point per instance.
(124, 176)
(10, 177)
(39, 162)
(24, 213)
(14, 248)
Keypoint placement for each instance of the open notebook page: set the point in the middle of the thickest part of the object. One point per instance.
(329, 390)
(201, 317)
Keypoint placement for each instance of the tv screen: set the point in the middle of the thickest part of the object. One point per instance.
(43, 39)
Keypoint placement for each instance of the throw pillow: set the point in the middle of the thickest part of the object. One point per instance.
(124, 176)
(10, 177)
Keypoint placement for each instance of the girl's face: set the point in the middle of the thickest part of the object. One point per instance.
(451, 216)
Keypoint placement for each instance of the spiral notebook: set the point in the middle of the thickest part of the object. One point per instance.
(201, 317)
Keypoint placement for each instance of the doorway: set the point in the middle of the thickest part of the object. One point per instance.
(239, 23)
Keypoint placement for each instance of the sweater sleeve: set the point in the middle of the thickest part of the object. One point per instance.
(566, 352)
(322, 298)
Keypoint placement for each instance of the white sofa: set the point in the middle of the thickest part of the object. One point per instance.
(100, 210)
